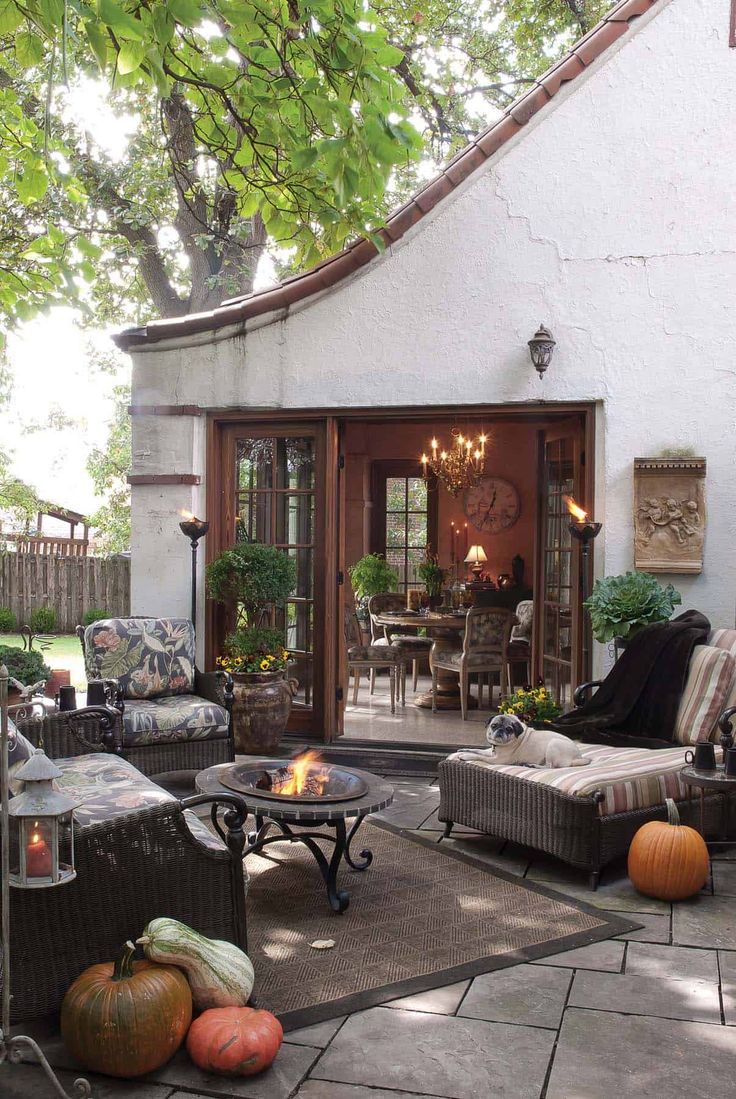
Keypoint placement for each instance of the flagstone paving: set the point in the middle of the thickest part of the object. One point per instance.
(650, 1014)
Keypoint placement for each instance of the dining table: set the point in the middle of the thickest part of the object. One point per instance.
(447, 629)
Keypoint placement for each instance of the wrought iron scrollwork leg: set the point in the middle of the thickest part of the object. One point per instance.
(11, 1050)
(366, 855)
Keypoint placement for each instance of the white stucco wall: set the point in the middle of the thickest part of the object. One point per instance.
(611, 218)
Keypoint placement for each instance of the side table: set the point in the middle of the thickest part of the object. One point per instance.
(714, 782)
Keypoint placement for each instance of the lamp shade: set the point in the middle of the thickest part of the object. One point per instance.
(476, 555)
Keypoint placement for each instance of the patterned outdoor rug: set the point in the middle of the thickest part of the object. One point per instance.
(420, 917)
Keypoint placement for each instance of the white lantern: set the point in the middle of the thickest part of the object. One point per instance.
(41, 828)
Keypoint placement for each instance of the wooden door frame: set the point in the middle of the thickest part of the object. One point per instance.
(333, 419)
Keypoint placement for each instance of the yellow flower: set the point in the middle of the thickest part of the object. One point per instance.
(264, 665)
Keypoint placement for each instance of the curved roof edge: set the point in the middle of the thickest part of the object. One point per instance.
(362, 251)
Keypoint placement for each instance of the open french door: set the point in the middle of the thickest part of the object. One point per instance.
(272, 487)
(558, 612)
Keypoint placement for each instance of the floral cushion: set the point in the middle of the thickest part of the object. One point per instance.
(488, 627)
(453, 659)
(107, 786)
(385, 653)
(150, 657)
(19, 750)
(176, 718)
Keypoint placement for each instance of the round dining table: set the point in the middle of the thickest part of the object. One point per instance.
(447, 629)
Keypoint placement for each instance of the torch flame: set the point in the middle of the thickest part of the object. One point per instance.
(575, 510)
(188, 515)
(306, 767)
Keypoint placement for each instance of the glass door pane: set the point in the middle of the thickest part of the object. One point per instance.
(276, 500)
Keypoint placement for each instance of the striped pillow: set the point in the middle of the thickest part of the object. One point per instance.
(709, 679)
(723, 639)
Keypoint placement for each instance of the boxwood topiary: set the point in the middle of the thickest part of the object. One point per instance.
(26, 667)
(253, 575)
(43, 620)
(94, 614)
(8, 622)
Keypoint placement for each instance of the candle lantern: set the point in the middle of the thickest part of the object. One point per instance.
(41, 829)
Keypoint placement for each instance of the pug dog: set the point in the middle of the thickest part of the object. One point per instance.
(513, 742)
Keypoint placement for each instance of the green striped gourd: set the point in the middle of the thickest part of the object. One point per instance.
(219, 973)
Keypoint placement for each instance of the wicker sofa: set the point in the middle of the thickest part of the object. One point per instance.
(587, 816)
(172, 716)
(139, 852)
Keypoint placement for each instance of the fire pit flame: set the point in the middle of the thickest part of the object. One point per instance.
(306, 778)
(306, 774)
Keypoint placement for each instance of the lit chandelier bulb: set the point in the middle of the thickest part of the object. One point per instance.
(443, 455)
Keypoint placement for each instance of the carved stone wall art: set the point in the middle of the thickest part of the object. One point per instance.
(669, 514)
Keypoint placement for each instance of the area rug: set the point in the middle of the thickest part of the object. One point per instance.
(420, 917)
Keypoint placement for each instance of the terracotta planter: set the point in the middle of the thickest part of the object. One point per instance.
(59, 677)
(261, 708)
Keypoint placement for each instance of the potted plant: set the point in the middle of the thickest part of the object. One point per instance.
(27, 668)
(620, 606)
(433, 577)
(371, 575)
(255, 580)
(534, 705)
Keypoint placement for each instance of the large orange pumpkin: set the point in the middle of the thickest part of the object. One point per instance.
(126, 1018)
(234, 1041)
(668, 860)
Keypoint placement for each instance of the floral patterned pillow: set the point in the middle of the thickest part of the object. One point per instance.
(150, 657)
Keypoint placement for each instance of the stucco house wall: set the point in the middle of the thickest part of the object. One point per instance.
(611, 218)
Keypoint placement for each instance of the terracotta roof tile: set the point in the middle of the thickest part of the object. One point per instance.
(332, 270)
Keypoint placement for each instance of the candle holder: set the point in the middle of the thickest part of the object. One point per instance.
(194, 529)
(43, 868)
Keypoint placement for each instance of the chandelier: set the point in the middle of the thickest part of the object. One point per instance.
(459, 467)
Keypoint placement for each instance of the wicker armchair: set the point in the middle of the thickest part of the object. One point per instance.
(165, 723)
(139, 864)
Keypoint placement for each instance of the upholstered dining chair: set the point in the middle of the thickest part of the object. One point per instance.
(369, 658)
(520, 644)
(410, 647)
(485, 650)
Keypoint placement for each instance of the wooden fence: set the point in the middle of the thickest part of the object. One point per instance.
(70, 585)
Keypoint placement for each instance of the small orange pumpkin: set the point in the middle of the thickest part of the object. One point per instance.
(126, 1018)
(234, 1041)
(668, 860)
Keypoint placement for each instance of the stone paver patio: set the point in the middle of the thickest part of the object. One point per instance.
(650, 1014)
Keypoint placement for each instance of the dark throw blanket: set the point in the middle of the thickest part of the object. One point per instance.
(641, 694)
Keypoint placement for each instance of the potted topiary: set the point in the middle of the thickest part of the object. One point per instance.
(371, 575)
(433, 577)
(620, 606)
(255, 581)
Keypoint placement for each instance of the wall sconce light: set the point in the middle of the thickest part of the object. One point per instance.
(541, 346)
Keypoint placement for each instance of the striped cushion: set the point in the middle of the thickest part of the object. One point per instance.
(628, 778)
(709, 680)
(723, 639)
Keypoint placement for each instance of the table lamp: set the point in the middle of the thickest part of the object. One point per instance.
(476, 558)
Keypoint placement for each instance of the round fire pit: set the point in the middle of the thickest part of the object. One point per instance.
(320, 782)
(329, 804)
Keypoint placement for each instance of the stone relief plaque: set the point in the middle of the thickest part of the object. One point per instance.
(669, 514)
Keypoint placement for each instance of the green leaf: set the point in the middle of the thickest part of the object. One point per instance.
(130, 57)
(28, 48)
(186, 12)
(11, 16)
(124, 25)
(32, 185)
(99, 43)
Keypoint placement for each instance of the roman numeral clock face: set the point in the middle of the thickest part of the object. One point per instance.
(492, 505)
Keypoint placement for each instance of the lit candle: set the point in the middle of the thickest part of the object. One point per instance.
(38, 857)
(452, 543)
(443, 456)
(434, 449)
(425, 459)
(465, 554)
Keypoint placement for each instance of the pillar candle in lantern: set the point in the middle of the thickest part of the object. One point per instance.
(38, 856)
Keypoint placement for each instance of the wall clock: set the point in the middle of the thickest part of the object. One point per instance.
(492, 505)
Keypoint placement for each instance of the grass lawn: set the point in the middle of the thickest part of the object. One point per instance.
(64, 652)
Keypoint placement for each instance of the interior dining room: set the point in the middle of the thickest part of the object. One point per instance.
(461, 567)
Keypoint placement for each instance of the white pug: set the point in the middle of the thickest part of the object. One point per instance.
(514, 743)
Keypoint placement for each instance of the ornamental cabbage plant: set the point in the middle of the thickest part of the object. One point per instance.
(621, 605)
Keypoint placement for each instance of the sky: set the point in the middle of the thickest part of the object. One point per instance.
(48, 361)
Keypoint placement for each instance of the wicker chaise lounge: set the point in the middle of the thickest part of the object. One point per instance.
(587, 816)
(139, 852)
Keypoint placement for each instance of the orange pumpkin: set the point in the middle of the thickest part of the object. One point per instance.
(668, 860)
(126, 1018)
(234, 1041)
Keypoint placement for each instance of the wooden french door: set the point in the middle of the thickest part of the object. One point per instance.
(558, 609)
(271, 487)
